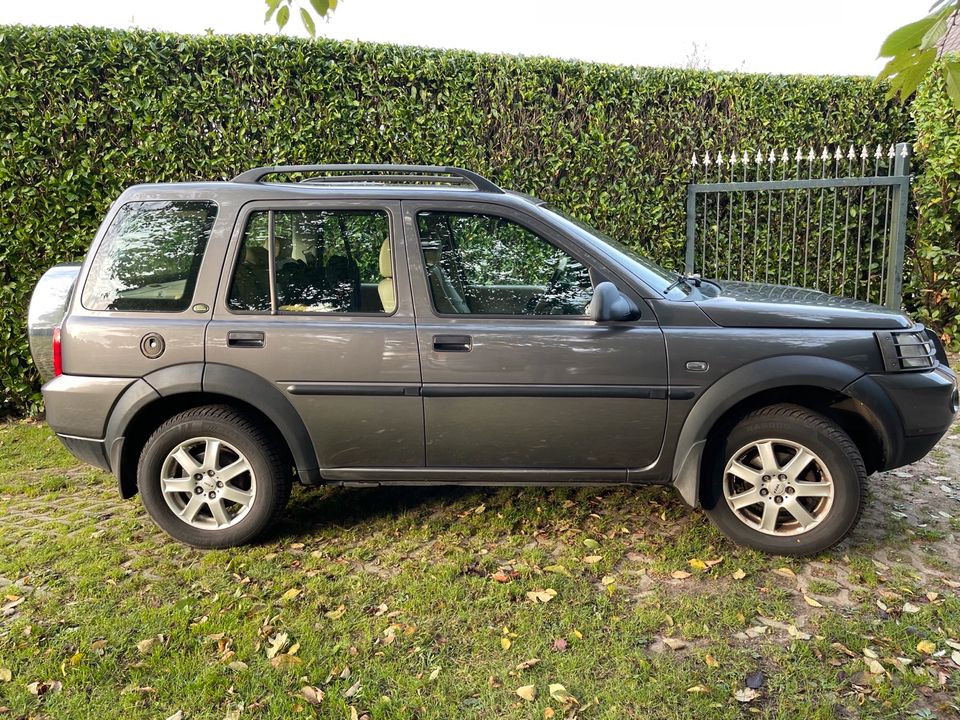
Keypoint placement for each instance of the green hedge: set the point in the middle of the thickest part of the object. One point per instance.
(86, 112)
(934, 288)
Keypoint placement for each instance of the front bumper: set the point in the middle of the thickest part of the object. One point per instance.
(924, 405)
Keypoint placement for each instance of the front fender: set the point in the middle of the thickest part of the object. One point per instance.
(736, 386)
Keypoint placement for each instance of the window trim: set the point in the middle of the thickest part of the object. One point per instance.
(114, 214)
(271, 207)
(495, 211)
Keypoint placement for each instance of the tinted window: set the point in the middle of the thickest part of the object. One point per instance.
(487, 265)
(326, 261)
(150, 257)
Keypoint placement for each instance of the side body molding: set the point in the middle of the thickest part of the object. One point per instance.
(755, 377)
(254, 390)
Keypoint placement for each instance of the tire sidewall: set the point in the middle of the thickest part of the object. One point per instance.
(846, 471)
(179, 430)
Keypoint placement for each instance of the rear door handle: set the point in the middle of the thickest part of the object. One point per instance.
(245, 339)
(452, 343)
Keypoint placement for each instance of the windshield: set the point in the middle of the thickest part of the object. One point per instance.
(658, 278)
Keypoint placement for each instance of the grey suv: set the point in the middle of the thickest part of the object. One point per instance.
(372, 324)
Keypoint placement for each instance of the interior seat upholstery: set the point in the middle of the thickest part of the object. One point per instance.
(388, 296)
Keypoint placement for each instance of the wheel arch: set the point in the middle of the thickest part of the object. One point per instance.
(150, 401)
(838, 390)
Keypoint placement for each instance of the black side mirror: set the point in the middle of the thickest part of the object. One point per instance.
(610, 304)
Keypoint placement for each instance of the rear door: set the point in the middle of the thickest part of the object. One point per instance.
(315, 298)
(515, 375)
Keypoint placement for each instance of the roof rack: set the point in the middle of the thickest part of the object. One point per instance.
(391, 174)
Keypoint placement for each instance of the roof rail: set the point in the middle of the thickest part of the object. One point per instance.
(372, 173)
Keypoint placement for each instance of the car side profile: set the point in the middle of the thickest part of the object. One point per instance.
(397, 324)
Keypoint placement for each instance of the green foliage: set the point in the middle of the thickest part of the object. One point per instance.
(913, 51)
(84, 113)
(279, 10)
(934, 287)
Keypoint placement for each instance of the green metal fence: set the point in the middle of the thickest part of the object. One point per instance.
(834, 222)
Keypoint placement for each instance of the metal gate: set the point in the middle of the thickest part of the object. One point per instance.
(834, 222)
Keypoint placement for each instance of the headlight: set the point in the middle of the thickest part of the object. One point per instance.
(907, 349)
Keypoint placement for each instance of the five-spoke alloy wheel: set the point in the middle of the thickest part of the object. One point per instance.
(213, 478)
(785, 480)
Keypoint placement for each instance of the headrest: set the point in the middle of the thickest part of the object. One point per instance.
(386, 264)
(256, 255)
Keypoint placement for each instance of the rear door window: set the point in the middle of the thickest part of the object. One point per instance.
(150, 257)
(324, 261)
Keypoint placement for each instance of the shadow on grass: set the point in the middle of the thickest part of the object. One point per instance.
(313, 508)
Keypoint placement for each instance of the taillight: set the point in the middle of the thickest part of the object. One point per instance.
(57, 354)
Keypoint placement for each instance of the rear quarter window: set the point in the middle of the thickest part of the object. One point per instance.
(150, 257)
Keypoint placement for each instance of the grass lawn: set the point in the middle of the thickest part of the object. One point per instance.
(442, 602)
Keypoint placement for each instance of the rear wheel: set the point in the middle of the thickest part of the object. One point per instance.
(211, 478)
(786, 480)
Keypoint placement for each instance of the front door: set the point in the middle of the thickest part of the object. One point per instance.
(317, 301)
(515, 375)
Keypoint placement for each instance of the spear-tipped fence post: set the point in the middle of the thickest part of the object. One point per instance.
(898, 226)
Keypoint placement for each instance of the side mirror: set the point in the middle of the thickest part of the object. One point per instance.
(610, 304)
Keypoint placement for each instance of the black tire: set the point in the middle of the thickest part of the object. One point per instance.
(261, 450)
(819, 435)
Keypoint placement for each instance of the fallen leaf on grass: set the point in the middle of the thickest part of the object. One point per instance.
(674, 643)
(336, 614)
(144, 646)
(42, 688)
(278, 643)
(542, 596)
(811, 602)
(527, 692)
(559, 693)
(237, 665)
(679, 574)
(290, 594)
(558, 569)
(711, 661)
(354, 689)
(786, 572)
(312, 695)
(591, 543)
(178, 715)
(503, 577)
(697, 564)
(592, 559)
(505, 643)
(955, 656)
(560, 645)
(527, 664)
(698, 689)
(5, 675)
(910, 608)
(548, 713)
(875, 667)
(739, 574)
(746, 695)
(926, 647)
(435, 674)
(284, 662)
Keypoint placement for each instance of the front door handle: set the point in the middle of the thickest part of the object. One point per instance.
(452, 343)
(245, 339)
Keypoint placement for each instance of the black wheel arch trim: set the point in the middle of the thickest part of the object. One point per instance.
(224, 380)
(252, 389)
(769, 374)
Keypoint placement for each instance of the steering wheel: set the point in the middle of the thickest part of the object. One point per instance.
(534, 303)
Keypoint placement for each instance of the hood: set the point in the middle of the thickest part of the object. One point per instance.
(746, 304)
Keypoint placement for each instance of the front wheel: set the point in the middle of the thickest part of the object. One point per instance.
(786, 480)
(212, 478)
